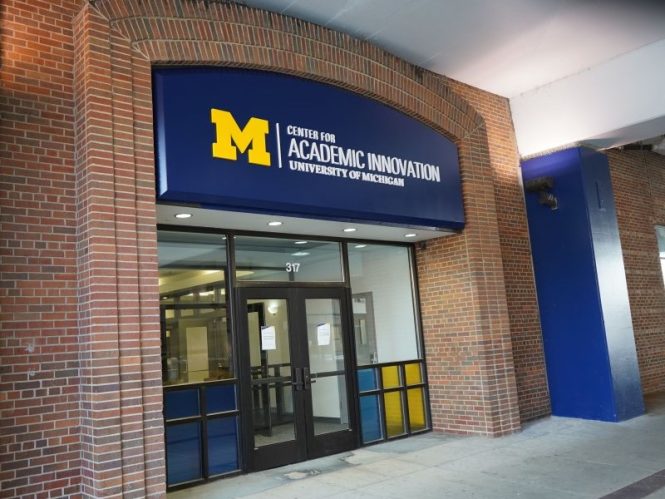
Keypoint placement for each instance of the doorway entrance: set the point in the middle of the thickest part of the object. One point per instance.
(297, 383)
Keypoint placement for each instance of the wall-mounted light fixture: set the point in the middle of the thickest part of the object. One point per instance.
(543, 186)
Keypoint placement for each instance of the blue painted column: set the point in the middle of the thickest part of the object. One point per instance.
(587, 328)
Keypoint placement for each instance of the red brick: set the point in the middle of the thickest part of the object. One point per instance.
(638, 181)
(77, 106)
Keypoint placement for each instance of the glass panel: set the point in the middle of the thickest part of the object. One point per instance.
(324, 335)
(181, 403)
(326, 355)
(370, 418)
(273, 413)
(392, 403)
(390, 375)
(272, 259)
(220, 398)
(222, 445)
(660, 235)
(416, 400)
(329, 404)
(367, 380)
(413, 374)
(196, 337)
(383, 309)
(183, 452)
(270, 359)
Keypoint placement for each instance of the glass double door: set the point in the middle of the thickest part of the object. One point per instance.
(296, 375)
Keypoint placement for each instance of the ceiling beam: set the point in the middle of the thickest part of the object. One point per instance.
(607, 105)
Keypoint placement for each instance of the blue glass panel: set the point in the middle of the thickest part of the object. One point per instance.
(183, 452)
(222, 445)
(367, 380)
(220, 398)
(181, 403)
(370, 418)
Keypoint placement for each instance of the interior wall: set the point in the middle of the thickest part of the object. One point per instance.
(387, 275)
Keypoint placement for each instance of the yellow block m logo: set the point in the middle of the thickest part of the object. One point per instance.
(229, 133)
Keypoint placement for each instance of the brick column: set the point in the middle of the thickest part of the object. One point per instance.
(121, 424)
(523, 312)
(465, 315)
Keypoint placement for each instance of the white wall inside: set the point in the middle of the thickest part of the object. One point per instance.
(385, 272)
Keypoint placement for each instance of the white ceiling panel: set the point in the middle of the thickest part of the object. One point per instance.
(519, 49)
(506, 47)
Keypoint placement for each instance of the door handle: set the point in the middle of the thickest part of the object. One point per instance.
(297, 379)
(308, 380)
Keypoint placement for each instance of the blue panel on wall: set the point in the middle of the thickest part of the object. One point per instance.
(565, 266)
(370, 418)
(222, 445)
(612, 286)
(181, 403)
(262, 142)
(367, 380)
(183, 452)
(220, 398)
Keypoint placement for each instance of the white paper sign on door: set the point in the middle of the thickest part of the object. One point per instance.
(268, 338)
(323, 334)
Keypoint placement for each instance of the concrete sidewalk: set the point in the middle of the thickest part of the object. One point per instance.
(550, 458)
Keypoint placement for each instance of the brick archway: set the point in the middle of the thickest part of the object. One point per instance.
(462, 289)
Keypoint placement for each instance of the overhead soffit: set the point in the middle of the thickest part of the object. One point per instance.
(506, 47)
(550, 58)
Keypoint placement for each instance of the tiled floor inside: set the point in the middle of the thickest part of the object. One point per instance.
(550, 458)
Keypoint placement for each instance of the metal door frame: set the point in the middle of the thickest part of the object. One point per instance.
(306, 445)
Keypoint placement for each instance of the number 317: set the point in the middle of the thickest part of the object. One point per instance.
(292, 266)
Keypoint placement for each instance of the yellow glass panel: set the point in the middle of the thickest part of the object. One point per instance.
(390, 376)
(416, 402)
(394, 417)
(412, 373)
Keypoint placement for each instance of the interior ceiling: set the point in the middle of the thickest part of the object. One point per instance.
(514, 48)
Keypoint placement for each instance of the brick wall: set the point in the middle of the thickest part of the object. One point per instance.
(78, 191)
(119, 331)
(80, 389)
(523, 312)
(195, 33)
(465, 315)
(638, 180)
(39, 385)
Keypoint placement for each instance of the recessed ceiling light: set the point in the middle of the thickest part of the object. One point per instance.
(274, 223)
(300, 253)
(300, 242)
(183, 215)
(359, 246)
(410, 234)
(350, 229)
